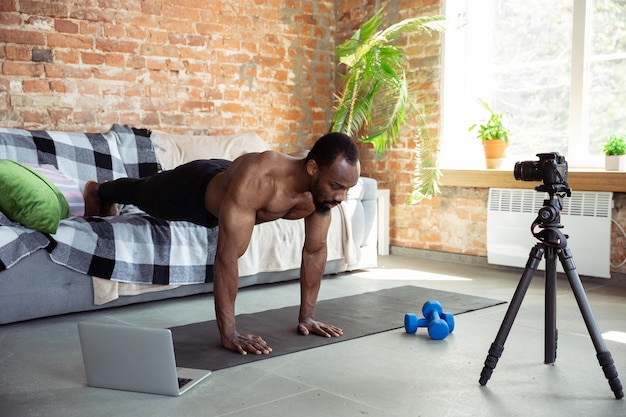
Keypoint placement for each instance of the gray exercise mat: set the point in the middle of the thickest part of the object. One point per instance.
(198, 345)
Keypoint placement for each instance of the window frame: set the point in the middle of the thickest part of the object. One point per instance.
(459, 148)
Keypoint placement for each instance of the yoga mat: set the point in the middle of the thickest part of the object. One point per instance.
(198, 345)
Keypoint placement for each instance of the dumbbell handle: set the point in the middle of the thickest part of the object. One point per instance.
(412, 323)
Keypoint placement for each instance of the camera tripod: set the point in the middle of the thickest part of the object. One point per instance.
(552, 243)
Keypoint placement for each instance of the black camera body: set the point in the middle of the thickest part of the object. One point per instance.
(551, 168)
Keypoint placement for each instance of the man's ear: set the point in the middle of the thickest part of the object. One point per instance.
(311, 167)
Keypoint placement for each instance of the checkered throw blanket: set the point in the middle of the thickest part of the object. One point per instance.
(136, 248)
(133, 247)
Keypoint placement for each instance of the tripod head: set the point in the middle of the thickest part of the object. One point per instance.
(552, 170)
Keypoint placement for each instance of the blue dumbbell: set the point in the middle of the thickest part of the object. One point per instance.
(439, 324)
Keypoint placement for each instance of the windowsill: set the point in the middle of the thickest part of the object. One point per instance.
(578, 179)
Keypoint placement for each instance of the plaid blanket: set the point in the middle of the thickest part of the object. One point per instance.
(17, 242)
(133, 247)
(136, 248)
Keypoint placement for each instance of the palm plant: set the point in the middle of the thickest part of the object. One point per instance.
(374, 103)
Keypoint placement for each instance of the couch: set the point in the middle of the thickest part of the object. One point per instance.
(64, 262)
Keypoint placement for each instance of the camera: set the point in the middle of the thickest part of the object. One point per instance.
(551, 168)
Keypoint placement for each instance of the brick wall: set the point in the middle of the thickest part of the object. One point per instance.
(196, 66)
(191, 66)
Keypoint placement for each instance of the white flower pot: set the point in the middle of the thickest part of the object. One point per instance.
(615, 162)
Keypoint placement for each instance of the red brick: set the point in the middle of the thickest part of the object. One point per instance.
(150, 119)
(18, 53)
(106, 45)
(156, 64)
(44, 8)
(67, 71)
(136, 33)
(8, 6)
(159, 50)
(7, 19)
(35, 86)
(136, 61)
(114, 31)
(58, 116)
(69, 41)
(115, 60)
(66, 26)
(157, 36)
(91, 58)
(114, 74)
(84, 117)
(202, 105)
(22, 37)
(37, 117)
(176, 26)
(89, 28)
(92, 14)
(151, 8)
(22, 69)
(60, 86)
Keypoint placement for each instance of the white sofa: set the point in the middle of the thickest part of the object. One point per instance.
(44, 274)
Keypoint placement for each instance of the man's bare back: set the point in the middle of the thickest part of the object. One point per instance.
(269, 182)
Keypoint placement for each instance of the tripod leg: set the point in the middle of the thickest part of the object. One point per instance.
(495, 351)
(603, 354)
(550, 307)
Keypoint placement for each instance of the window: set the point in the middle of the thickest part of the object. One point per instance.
(556, 69)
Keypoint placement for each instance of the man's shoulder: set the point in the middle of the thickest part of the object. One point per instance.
(262, 162)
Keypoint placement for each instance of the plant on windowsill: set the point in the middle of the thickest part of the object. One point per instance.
(377, 96)
(494, 137)
(614, 148)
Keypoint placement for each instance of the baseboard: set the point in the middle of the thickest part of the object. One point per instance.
(617, 279)
(439, 256)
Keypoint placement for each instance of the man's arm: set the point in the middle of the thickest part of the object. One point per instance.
(314, 255)
(236, 222)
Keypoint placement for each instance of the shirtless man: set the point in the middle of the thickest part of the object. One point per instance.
(254, 188)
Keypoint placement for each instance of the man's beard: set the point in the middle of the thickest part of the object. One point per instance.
(324, 207)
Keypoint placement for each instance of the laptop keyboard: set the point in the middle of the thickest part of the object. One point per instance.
(183, 381)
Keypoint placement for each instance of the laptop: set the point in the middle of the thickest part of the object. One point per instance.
(134, 359)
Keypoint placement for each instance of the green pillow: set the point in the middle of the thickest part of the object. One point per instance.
(28, 198)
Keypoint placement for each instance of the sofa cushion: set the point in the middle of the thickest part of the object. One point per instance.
(29, 198)
(173, 150)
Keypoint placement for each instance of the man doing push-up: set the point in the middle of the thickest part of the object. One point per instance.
(254, 188)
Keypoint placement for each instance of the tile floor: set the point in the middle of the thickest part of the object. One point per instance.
(388, 374)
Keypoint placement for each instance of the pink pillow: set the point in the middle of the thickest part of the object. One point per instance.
(67, 186)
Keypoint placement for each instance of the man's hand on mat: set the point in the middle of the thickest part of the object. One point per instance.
(244, 343)
(308, 326)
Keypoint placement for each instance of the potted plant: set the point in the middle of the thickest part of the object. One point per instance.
(374, 101)
(378, 96)
(494, 137)
(614, 148)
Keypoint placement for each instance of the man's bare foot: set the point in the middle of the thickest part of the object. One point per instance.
(94, 206)
(109, 209)
(92, 201)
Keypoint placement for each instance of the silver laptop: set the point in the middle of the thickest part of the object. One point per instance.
(134, 359)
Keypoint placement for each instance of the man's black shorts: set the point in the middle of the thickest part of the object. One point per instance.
(176, 194)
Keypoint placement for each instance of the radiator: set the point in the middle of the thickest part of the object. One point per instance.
(586, 217)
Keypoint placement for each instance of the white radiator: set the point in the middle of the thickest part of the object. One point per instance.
(586, 217)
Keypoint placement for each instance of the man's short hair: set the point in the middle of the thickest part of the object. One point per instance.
(332, 145)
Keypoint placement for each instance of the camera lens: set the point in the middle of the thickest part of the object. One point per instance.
(527, 171)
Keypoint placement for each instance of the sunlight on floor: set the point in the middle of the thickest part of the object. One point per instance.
(614, 336)
(406, 275)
